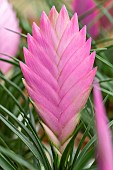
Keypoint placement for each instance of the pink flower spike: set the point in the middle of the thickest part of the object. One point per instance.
(9, 41)
(83, 6)
(58, 73)
(104, 146)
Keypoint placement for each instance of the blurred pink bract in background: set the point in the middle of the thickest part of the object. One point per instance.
(104, 136)
(104, 20)
(9, 41)
(83, 6)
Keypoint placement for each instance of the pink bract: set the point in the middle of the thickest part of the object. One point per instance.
(9, 41)
(104, 145)
(58, 72)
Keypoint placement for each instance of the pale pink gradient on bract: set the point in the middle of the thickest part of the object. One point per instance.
(9, 41)
(83, 6)
(58, 72)
(104, 136)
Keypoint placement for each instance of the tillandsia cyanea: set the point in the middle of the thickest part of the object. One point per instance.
(9, 41)
(104, 145)
(58, 72)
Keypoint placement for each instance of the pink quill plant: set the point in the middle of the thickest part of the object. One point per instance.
(58, 72)
(9, 41)
(104, 146)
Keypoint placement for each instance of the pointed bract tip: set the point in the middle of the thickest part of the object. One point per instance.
(21, 65)
(25, 51)
(89, 42)
(24, 82)
(53, 11)
(63, 7)
(43, 16)
(29, 39)
(28, 35)
(35, 26)
(53, 8)
(64, 10)
(43, 19)
(93, 54)
(75, 15)
(83, 31)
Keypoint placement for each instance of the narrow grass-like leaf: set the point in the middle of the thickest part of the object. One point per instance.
(14, 99)
(83, 152)
(104, 61)
(30, 125)
(5, 164)
(106, 80)
(69, 148)
(27, 142)
(85, 159)
(81, 143)
(17, 158)
(13, 85)
(10, 57)
(92, 168)
(55, 161)
(9, 61)
(99, 49)
(33, 138)
(104, 40)
(16, 75)
(107, 91)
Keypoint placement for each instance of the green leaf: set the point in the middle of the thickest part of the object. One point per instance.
(98, 49)
(10, 61)
(87, 157)
(5, 163)
(30, 145)
(81, 143)
(81, 156)
(17, 158)
(13, 85)
(104, 61)
(14, 99)
(107, 92)
(69, 148)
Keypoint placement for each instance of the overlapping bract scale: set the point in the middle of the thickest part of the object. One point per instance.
(58, 72)
(9, 41)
